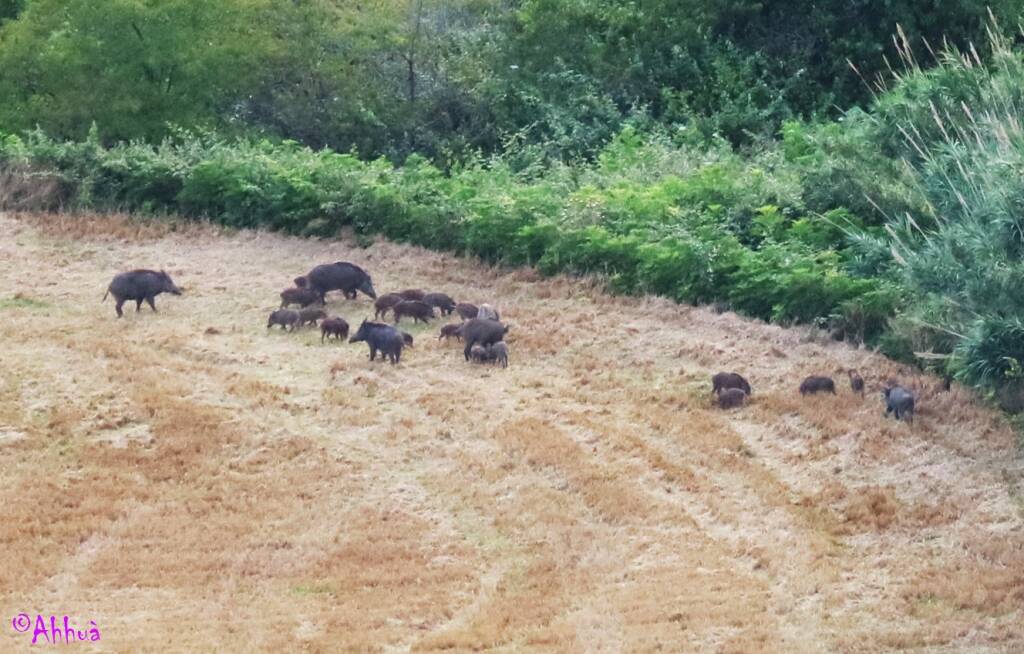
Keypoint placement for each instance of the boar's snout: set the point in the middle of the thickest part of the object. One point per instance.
(367, 287)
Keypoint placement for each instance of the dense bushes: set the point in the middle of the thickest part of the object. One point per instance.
(693, 229)
(902, 225)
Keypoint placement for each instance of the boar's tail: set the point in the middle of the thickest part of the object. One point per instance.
(105, 296)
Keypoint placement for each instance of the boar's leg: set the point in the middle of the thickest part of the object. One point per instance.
(373, 353)
(151, 303)
(138, 306)
(117, 307)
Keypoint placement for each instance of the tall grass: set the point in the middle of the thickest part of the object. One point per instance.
(959, 130)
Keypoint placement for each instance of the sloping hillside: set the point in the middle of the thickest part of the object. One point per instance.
(190, 481)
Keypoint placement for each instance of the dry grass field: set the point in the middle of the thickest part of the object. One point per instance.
(192, 482)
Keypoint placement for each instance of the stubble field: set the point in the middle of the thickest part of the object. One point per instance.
(192, 482)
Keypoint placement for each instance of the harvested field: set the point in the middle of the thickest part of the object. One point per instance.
(190, 481)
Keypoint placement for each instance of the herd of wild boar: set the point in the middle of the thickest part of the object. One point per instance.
(732, 390)
(480, 329)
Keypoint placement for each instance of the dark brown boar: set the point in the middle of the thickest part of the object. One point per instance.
(414, 309)
(483, 332)
(466, 310)
(334, 326)
(817, 384)
(287, 318)
(380, 337)
(139, 285)
(498, 353)
(479, 354)
(413, 294)
(856, 382)
(385, 303)
(451, 330)
(731, 397)
(342, 276)
(726, 380)
(311, 317)
(300, 296)
(444, 303)
(900, 402)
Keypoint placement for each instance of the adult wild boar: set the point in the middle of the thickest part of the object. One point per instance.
(385, 338)
(139, 285)
(900, 402)
(481, 331)
(415, 309)
(731, 397)
(466, 310)
(817, 384)
(340, 276)
(441, 301)
(726, 380)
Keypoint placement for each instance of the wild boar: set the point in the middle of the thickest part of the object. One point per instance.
(817, 384)
(856, 382)
(300, 296)
(414, 294)
(311, 317)
(407, 337)
(726, 380)
(487, 312)
(385, 338)
(451, 330)
(336, 327)
(479, 354)
(385, 303)
(342, 276)
(287, 318)
(415, 309)
(498, 353)
(466, 310)
(483, 332)
(444, 303)
(139, 285)
(900, 402)
(731, 397)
